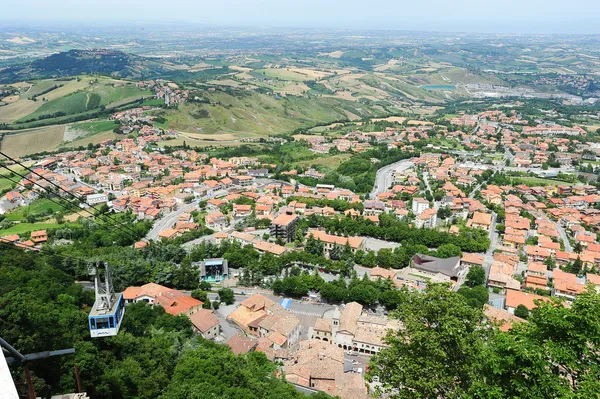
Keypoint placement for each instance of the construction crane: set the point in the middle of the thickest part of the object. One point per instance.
(107, 313)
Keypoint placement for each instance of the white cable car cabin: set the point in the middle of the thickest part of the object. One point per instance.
(107, 313)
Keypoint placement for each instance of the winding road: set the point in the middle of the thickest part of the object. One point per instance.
(384, 179)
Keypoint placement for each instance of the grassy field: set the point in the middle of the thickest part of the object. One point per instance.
(21, 228)
(539, 181)
(77, 131)
(284, 74)
(41, 206)
(7, 184)
(94, 139)
(33, 141)
(72, 97)
(254, 115)
(71, 104)
(330, 162)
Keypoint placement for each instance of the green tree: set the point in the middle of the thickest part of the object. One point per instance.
(475, 276)
(226, 295)
(364, 294)
(313, 246)
(476, 296)
(576, 266)
(444, 213)
(448, 251)
(522, 311)
(441, 337)
(200, 295)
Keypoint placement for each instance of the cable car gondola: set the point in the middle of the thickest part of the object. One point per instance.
(107, 313)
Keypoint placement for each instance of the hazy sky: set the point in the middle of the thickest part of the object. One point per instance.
(527, 16)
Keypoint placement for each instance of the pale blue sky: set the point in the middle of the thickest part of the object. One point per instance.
(527, 16)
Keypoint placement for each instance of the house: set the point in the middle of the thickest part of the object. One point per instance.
(261, 317)
(320, 366)
(216, 221)
(566, 285)
(515, 298)
(426, 219)
(419, 205)
(427, 265)
(205, 323)
(94, 199)
(39, 236)
(379, 272)
(536, 276)
(240, 344)
(469, 260)
(284, 227)
(481, 220)
(361, 332)
(173, 301)
(330, 241)
(501, 317)
(169, 233)
(241, 210)
(594, 279)
(322, 330)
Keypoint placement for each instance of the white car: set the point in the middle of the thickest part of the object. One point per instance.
(351, 352)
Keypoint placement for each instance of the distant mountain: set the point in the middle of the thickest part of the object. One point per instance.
(95, 61)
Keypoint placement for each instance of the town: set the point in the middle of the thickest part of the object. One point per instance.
(502, 211)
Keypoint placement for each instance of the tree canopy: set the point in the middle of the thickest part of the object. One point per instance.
(449, 349)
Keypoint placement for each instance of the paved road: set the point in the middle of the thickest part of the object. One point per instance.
(375, 244)
(488, 258)
(563, 236)
(383, 179)
(169, 220)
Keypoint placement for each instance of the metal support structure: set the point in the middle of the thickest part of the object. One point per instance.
(6, 346)
(30, 390)
(78, 379)
(105, 295)
(17, 357)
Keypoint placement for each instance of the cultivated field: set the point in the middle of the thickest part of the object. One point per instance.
(33, 141)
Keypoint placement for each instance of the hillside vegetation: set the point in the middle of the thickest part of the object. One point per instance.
(248, 113)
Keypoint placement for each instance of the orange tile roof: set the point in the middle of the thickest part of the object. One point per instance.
(516, 298)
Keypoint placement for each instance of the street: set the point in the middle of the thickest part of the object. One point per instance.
(169, 220)
(488, 258)
(383, 179)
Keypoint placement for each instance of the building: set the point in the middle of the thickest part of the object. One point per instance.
(322, 330)
(351, 329)
(284, 227)
(515, 298)
(173, 301)
(216, 221)
(431, 266)
(419, 205)
(94, 199)
(240, 344)
(39, 237)
(214, 270)
(481, 220)
(426, 219)
(566, 284)
(330, 241)
(261, 317)
(205, 323)
(322, 367)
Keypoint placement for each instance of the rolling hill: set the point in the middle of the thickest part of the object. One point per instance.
(105, 62)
